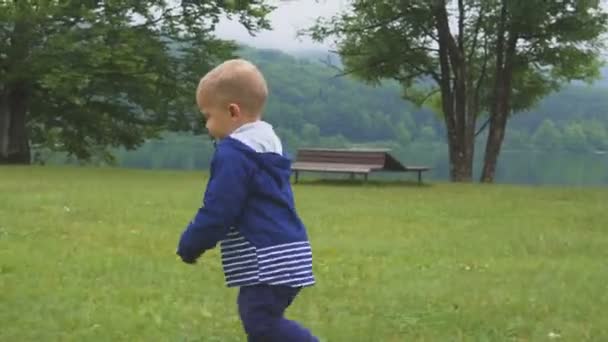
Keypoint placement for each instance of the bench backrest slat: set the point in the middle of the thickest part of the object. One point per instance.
(341, 157)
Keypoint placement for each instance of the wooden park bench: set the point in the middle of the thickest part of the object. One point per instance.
(350, 161)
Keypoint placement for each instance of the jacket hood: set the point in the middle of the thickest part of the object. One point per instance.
(259, 136)
(259, 141)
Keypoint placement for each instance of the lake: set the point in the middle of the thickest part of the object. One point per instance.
(524, 167)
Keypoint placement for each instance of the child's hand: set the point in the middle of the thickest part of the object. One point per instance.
(186, 259)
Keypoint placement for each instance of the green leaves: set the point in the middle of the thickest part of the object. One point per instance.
(557, 41)
(113, 73)
(485, 56)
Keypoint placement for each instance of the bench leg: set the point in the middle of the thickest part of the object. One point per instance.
(297, 176)
(419, 177)
(365, 177)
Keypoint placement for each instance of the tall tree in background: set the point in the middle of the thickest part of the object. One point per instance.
(82, 76)
(486, 58)
(545, 44)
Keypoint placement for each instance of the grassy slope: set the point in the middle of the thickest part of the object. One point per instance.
(87, 254)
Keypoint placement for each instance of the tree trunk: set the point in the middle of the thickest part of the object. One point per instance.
(461, 139)
(464, 134)
(14, 142)
(4, 123)
(454, 100)
(493, 145)
(14, 100)
(461, 162)
(502, 99)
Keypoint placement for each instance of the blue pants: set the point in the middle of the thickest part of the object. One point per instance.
(262, 309)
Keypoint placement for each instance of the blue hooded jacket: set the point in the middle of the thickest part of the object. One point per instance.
(249, 209)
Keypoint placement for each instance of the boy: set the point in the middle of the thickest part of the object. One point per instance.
(248, 206)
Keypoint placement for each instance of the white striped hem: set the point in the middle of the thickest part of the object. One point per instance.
(240, 263)
(237, 245)
(231, 282)
(309, 260)
(227, 241)
(292, 280)
(287, 275)
(244, 264)
(285, 251)
(307, 284)
(241, 274)
(238, 251)
(283, 246)
(289, 256)
(228, 269)
(239, 257)
(286, 269)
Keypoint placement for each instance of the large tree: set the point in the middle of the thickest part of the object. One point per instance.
(483, 58)
(82, 76)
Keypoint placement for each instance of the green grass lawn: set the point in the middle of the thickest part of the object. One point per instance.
(88, 255)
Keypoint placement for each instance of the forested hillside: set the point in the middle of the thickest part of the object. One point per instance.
(306, 92)
(310, 106)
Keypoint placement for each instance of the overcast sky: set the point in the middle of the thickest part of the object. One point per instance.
(287, 19)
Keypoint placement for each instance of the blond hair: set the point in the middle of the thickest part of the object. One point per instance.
(236, 81)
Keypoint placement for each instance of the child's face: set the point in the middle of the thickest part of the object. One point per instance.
(219, 121)
(221, 118)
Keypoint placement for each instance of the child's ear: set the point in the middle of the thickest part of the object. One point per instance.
(234, 110)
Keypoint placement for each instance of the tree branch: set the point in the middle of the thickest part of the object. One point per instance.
(500, 56)
(373, 26)
(414, 49)
(508, 70)
(377, 65)
(447, 96)
(428, 96)
(429, 33)
(164, 15)
(483, 127)
(420, 70)
(484, 66)
(461, 18)
(476, 32)
(446, 37)
(345, 72)
(327, 62)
